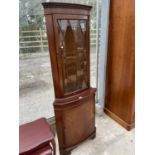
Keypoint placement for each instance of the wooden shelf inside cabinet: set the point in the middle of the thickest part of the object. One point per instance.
(68, 40)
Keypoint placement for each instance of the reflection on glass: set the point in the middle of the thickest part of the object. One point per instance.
(72, 42)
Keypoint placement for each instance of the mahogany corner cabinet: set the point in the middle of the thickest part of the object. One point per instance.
(68, 41)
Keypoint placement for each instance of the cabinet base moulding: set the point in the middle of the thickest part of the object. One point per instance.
(119, 120)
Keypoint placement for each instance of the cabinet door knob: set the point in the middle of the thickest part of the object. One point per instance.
(80, 97)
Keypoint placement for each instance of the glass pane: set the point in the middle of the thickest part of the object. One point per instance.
(72, 43)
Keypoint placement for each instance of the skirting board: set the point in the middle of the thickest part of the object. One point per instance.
(119, 120)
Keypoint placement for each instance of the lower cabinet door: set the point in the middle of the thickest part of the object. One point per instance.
(79, 121)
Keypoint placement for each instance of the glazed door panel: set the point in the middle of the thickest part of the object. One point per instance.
(71, 37)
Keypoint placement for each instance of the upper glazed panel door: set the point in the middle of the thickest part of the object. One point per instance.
(72, 45)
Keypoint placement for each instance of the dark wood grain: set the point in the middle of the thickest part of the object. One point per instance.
(74, 110)
(53, 56)
(66, 8)
(73, 116)
(66, 5)
(119, 101)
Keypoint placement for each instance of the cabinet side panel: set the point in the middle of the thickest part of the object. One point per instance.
(60, 128)
(52, 52)
(120, 62)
